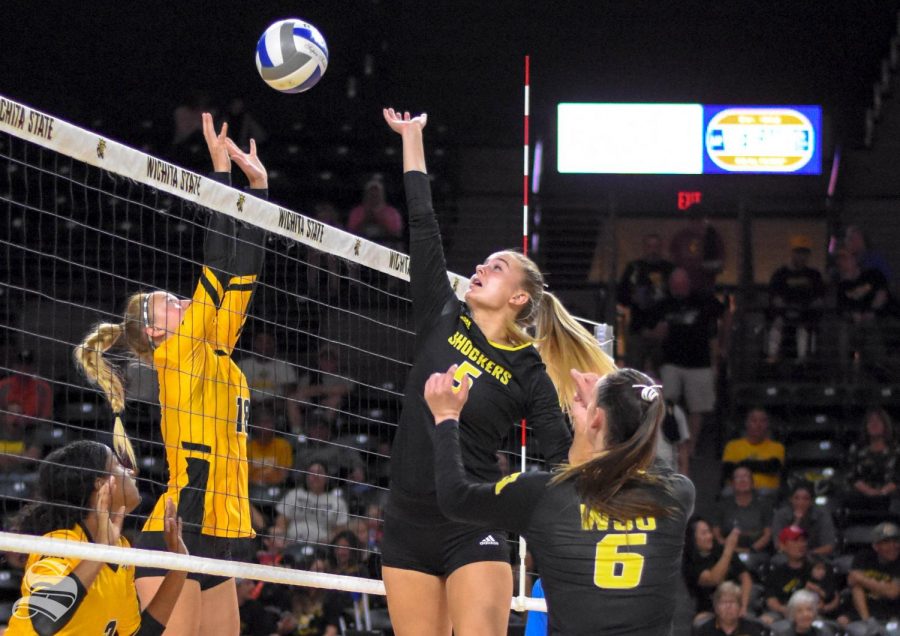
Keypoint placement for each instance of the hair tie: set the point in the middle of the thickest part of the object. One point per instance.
(649, 392)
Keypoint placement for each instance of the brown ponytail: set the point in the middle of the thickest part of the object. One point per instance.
(618, 482)
(90, 359)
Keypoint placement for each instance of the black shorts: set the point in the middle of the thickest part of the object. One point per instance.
(418, 537)
(200, 545)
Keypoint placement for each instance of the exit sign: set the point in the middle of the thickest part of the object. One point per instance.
(688, 198)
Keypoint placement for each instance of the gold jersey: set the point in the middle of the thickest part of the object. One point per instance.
(110, 606)
(205, 412)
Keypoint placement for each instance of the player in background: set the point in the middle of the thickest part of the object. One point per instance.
(607, 530)
(84, 493)
(204, 398)
(440, 572)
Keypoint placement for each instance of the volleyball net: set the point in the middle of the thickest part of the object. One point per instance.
(326, 348)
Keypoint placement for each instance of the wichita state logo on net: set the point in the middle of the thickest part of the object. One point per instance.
(52, 604)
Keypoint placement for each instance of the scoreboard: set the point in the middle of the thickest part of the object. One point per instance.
(607, 138)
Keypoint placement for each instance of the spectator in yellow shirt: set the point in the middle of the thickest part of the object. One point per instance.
(756, 450)
(270, 455)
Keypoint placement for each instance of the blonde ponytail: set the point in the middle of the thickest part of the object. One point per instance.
(90, 359)
(564, 344)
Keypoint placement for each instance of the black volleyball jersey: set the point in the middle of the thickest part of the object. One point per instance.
(600, 576)
(508, 383)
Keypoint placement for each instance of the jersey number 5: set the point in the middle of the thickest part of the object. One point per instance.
(614, 570)
(243, 414)
(464, 371)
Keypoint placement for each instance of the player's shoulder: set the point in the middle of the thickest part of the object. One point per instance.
(535, 481)
(682, 490)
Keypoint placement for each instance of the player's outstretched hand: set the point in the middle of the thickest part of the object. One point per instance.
(218, 151)
(249, 164)
(172, 529)
(446, 397)
(585, 385)
(402, 122)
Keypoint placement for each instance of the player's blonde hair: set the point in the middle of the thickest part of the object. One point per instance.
(562, 342)
(98, 370)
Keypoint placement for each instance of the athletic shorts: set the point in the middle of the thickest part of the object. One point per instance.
(696, 385)
(418, 537)
(198, 545)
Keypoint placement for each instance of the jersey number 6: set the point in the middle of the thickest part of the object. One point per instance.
(463, 371)
(614, 570)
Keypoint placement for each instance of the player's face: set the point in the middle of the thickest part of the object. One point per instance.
(126, 491)
(703, 537)
(167, 311)
(497, 283)
(804, 614)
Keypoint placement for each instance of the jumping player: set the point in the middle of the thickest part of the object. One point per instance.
(608, 530)
(84, 494)
(204, 397)
(439, 572)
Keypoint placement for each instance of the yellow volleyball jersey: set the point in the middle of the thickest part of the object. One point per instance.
(205, 411)
(109, 608)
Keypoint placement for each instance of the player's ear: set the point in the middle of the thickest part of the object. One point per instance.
(520, 298)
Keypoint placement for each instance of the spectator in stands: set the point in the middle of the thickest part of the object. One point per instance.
(873, 463)
(313, 610)
(310, 514)
(374, 218)
(315, 445)
(671, 446)
(686, 322)
(18, 445)
(699, 250)
(270, 456)
(24, 395)
(729, 618)
(864, 302)
(256, 620)
(860, 246)
(244, 126)
(788, 576)
(706, 565)
(801, 511)
(746, 512)
(802, 609)
(644, 283)
(875, 582)
(823, 582)
(796, 298)
(267, 376)
(756, 450)
(324, 391)
(345, 554)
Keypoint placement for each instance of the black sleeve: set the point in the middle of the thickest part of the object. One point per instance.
(41, 622)
(545, 417)
(231, 248)
(430, 287)
(149, 625)
(509, 503)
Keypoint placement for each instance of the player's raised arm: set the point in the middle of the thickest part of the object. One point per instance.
(508, 503)
(430, 288)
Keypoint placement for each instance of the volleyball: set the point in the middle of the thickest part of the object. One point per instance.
(291, 56)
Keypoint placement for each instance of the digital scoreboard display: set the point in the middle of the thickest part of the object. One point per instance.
(688, 139)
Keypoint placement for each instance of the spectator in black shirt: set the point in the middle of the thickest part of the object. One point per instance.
(787, 577)
(687, 322)
(875, 578)
(864, 301)
(873, 464)
(256, 620)
(644, 284)
(729, 618)
(707, 564)
(796, 294)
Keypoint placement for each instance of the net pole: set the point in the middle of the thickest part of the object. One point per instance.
(523, 593)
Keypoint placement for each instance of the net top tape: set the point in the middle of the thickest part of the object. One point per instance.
(232, 569)
(96, 150)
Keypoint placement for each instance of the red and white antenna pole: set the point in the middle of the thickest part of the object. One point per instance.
(523, 593)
